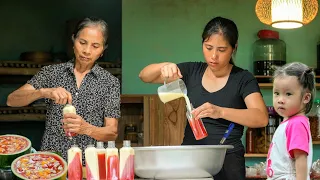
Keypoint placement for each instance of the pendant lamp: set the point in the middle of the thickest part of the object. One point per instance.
(286, 14)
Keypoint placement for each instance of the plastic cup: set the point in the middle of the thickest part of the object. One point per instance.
(197, 126)
(171, 91)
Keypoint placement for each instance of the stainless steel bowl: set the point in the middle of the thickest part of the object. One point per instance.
(177, 162)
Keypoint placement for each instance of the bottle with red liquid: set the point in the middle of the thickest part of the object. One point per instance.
(92, 164)
(69, 109)
(74, 163)
(112, 161)
(197, 127)
(101, 160)
(126, 161)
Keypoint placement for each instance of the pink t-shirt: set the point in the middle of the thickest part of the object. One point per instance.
(291, 134)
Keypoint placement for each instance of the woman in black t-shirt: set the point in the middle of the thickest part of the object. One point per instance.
(221, 93)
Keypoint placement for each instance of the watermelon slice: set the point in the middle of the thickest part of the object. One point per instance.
(40, 165)
(11, 147)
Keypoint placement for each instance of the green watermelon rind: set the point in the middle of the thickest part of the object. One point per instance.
(61, 176)
(6, 159)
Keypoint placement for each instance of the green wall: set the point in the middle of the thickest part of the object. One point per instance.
(170, 30)
(38, 26)
(41, 25)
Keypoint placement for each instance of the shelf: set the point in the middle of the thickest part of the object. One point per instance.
(260, 155)
(20, 71)
(22, 117)
(130, 98)
(37, 112)
(10, 114)
(269, 85)
(255, 155)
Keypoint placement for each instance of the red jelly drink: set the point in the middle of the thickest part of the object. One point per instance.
(199, 131)
(70, 134)
(126, 161)
(197, 127)
(101, 160)
(74, 163)
(112, 161)
(92, 165)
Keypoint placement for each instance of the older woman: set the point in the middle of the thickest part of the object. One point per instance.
(81, 82)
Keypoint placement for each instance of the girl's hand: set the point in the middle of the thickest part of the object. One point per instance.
(208, 110)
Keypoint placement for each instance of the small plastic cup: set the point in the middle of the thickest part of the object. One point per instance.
(197, 126)
(172, 91)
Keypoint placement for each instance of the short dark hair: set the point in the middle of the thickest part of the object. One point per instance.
(92, 21)
(305, 77)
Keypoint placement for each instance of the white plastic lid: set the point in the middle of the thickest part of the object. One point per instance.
(126, 143)
(111, 144)
(100, 144)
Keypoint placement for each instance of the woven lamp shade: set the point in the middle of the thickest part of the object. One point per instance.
(286, 14)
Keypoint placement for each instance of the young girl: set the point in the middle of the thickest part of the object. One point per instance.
(290, 152)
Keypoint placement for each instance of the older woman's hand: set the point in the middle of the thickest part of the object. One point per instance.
(59, 95)
(207, 110)
(75, 124)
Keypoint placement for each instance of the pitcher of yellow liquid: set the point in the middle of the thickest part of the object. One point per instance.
(178, 89)
(171, 91)
(174, 90)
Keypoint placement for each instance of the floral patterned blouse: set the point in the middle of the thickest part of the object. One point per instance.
(98, 97)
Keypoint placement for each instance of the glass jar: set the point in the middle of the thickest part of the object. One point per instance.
(131, 133)
(250, 142)
(262, 141)
(313, 116)
(268, 51)
(264, 135)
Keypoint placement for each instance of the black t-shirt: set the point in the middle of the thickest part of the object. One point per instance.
(240, 84)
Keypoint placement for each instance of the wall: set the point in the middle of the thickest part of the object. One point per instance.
(170, 30)
(38, 26)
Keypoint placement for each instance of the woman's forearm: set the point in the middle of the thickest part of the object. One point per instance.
(152, 73)
(253, 117)
(105, 134)
(22, 97)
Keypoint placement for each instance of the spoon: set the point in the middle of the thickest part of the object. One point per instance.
(227, 133)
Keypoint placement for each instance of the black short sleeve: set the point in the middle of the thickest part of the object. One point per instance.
(248, 84)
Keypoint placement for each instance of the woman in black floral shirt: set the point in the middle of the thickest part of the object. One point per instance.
(81, 82)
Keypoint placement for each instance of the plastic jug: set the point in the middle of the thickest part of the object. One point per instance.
(171, 91)
(178, 89)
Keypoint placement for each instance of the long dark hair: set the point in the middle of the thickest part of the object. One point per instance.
(225, 26)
